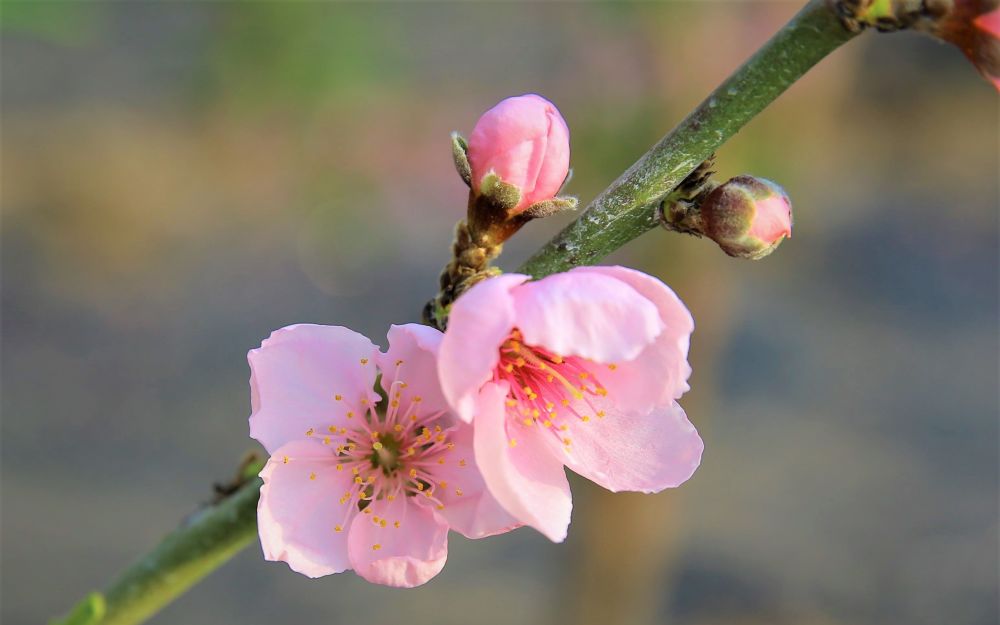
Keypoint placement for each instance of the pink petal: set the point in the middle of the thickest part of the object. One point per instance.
(659, 373)
(586, 314)
(296, 374)
(645, 453)
(525, 478)
(398, 543)
(415, 348)
(299, 509)
(469, 508)
(480, 320)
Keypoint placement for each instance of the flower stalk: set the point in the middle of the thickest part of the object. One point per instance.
(625, 210)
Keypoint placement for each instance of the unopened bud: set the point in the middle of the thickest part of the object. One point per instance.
(520, 149)
(747, 216)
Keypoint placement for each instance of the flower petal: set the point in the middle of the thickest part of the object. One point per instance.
(469, 508)
(589, 315)
(480, 320)
(659, 373)
(299, 510)
(645, 453)
(414, 347)
(296, 376)
(524, 476)
(398, 543)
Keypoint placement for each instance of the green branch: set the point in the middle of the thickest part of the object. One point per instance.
(200, 545)
(628, 207)
(621, 213)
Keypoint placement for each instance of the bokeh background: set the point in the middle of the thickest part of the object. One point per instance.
(179, 179)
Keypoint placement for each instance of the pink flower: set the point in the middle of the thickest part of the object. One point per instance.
(525, 142)
(578, 369)
(356, 481)
(747, 216)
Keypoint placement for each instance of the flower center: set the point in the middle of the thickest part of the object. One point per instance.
(547, 389)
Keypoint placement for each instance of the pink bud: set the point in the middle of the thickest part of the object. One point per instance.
(525, 142)
(748, 217)
(974, 27)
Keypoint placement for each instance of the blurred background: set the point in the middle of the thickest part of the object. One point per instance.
(179, 179)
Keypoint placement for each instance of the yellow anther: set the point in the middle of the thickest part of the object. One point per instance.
(355, 471)
(364, 401)
(450, 445)
(420, 486)
(461, 462)
(312, 476)
(443, 484)
(437, 428)
(338, 528)
(511, 403)
(512, 442)
(377, 445)
(600, 414)
(338, 397)
(520, 362)
(550, 377)
(549, 405)
(364, 361)
(528, 421)
(527, 389)
(458, 491)
(350, 414)
(612, 366)
(547, 423)
(509, 368)
(340, 467)
(557, 359)
(440, 506)
(395, 524)
(371, 479)
(564, 402)
(358, 480)
(563, 427)
(584, 375)
(440, 460)
(417, 399)
(428, 494)
(440, 438)
(310, 432)
(403, 385)
(394, 403)
(535, 413)
(566, 442)
(600, 390)
(376, 547)
(382, 523)
(391, 497)
(413, 417)
(375, 435)
(584, 418)
(326, 440)
(284, 459)
(367, 510)
(399, 362)
(552, 415)
(398, 427)
(343, 430)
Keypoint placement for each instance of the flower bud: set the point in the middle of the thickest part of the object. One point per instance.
(748, 217)
(524, 142)
(974, 27)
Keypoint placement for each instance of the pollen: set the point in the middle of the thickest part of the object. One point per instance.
(600, 414)
(312, 476)
(399, 362)
(364, 361)
(612, 366)
(513, 442)
(350, 415)
(338, 397)
(340, 467)
(395, 524)
(413, 473)
(458, 492)
(417, 399)
(284, 459)
(584, 418)
(338, 528)
(461, 462)
(398, 427)
(376, 547)
(310, 432)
